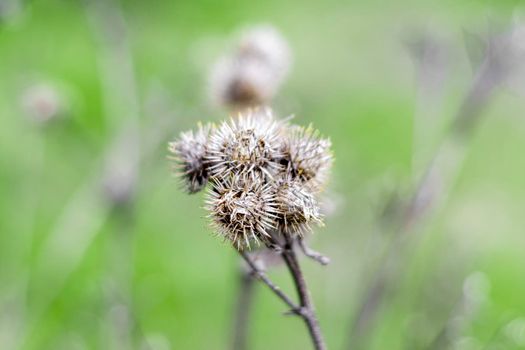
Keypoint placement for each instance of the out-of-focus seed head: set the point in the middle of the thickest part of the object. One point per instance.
(42, 103)
(243, 211)
(298, 208)
(307, 157)
(248, 145)
(252, 74)
(264, 42)
(189, 153)
(239, 83)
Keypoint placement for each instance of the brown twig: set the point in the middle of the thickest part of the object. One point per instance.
(312, 254)
(261, 275)
(306, 310)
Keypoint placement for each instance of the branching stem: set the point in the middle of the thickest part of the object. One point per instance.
(261, 275)
(307, 311)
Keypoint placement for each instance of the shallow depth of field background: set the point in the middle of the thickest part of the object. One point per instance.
(78, 274)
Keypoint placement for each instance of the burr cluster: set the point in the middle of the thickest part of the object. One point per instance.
(264, 175)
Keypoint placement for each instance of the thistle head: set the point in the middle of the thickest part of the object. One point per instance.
(307, 157)
(43, 102)
(298, 208)
(266, 43)
(189, 153)
(264, 176)
(243, 211)
(248, 145)
(251, 74)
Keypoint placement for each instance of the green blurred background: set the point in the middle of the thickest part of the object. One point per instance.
(79, 273)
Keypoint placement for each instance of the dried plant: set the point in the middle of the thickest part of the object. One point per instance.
(298, 208)
(44, 102)
(307, 157)
(263, 175)
(190, 152)
(243, 211)
(246, 146)
(253, 72)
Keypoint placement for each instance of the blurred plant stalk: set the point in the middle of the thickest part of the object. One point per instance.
(305, 308)
(243, 309)
(121, 173)
(109, 191)
(474, 294)
(500, 57)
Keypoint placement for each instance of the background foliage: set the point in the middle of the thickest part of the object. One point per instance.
(76, 273)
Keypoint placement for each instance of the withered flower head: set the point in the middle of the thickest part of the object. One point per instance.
(248, 145)
(189, 153)
(308, 157)
(298, 208)
(251, 74)
(43, 102)
(265, 43)
(264, 176)
(242, 211)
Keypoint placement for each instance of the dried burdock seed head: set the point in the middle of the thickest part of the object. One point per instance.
(253, 72)
(239, 83)
(307, 157)
(263, 173)
(248, 145)
(265, 43)
(243, 211)
(298, 208)
(189, 153)
(43, 102)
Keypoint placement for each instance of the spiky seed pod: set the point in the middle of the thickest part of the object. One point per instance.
(307, 157)
(298, 208)
(189, 153)
(242, 210)
(248, 145)
(253, 72)
(238, 83)
(265, 43)
(43, 102)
